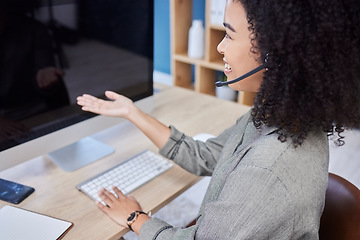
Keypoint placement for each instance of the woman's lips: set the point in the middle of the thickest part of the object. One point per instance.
(227, 69)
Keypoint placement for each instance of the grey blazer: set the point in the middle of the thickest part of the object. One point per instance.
(260, 188)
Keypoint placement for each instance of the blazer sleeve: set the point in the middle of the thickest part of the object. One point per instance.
(195, 156)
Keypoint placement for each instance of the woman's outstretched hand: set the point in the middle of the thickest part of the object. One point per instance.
(117, 106)
(121, 106)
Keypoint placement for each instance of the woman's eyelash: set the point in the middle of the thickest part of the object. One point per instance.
(227, 36)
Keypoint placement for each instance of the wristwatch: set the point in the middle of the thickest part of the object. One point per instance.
(133, 217)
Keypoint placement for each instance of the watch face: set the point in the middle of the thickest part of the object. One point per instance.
(132, 216)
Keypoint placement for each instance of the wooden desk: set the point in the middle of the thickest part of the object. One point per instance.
(55, 193)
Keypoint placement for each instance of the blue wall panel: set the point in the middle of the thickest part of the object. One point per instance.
(162, 36)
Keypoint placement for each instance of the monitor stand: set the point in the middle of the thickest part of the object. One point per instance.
(79, 154)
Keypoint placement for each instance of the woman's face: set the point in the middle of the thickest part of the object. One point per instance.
(236, 48)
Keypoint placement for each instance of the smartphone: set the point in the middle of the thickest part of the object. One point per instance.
(13, 192)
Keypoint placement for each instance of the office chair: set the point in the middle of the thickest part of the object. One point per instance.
(341, 217)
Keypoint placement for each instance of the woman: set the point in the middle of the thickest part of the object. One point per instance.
(269, 171)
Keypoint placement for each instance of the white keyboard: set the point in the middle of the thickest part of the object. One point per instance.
(128, 175)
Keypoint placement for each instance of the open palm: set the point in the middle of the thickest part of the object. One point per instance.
(117, 106)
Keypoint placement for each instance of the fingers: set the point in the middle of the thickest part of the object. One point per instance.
(90, 97)
(118, 192)
(87, 98)
(107, 197)
(112, 95)
(102, 206)
(117, 106)
(89, 103)
(105, 208)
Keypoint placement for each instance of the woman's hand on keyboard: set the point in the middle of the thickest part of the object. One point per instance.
(118, 207)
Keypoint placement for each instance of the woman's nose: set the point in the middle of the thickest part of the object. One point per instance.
(220, 46)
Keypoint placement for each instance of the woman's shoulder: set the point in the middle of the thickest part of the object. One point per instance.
(298, 168)
(269, 149)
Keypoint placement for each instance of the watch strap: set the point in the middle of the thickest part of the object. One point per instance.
(133, 217)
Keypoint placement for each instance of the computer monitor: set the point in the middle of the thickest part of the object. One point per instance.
(99, 45)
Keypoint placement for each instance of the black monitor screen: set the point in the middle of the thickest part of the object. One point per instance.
(53, 51)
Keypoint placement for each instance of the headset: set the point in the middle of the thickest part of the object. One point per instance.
(255, 70)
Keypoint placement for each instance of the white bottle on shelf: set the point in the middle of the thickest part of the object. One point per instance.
(196, 40)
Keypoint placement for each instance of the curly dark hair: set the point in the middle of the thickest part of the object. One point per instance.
(313, 75)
